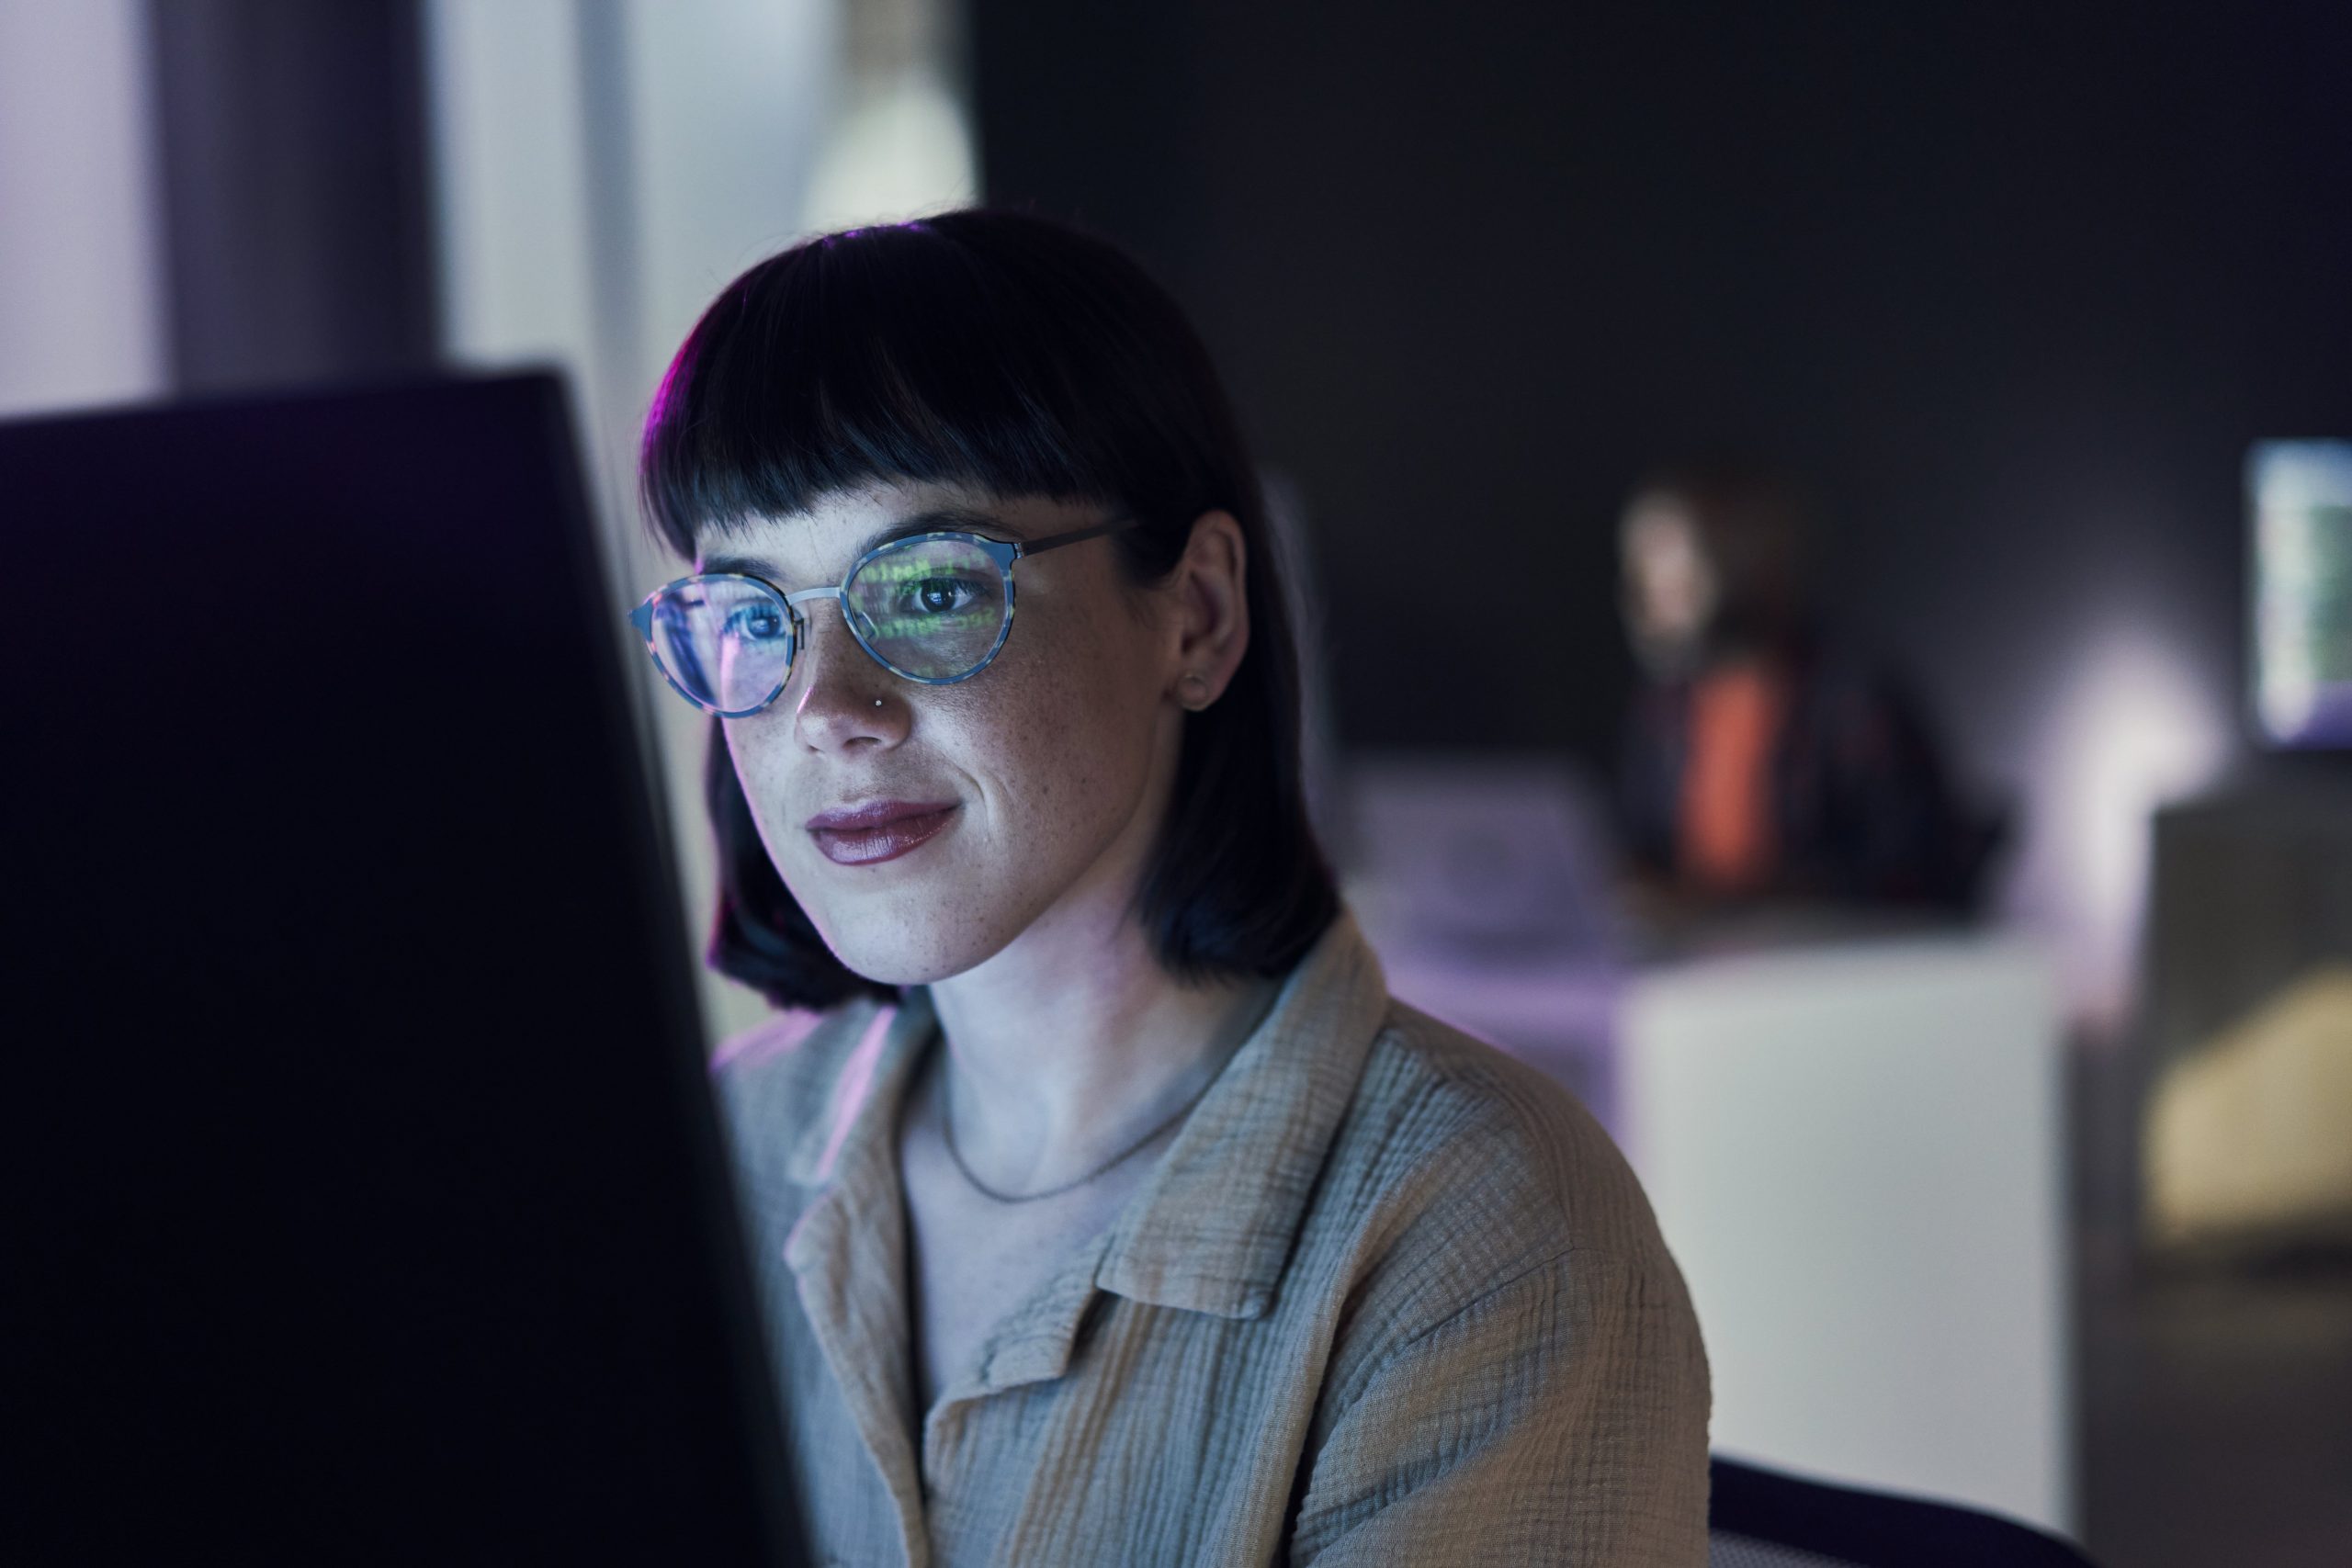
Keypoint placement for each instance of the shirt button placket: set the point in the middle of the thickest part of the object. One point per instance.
(941, 1440)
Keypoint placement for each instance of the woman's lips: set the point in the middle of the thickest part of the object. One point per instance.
(872, 834)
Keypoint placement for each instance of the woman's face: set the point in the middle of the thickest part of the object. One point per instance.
(1042, 779)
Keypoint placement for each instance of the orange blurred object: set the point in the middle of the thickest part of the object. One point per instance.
(1728, 844)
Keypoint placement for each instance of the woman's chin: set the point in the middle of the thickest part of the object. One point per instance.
(905, 947)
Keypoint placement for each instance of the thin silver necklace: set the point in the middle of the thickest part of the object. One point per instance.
(947, 1130)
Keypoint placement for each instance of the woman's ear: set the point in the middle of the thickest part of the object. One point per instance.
(1211, 632)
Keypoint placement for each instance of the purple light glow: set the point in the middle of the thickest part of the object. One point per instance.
(857, 1077)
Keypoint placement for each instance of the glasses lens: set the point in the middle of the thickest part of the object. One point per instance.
(931, 608)
(725, 640)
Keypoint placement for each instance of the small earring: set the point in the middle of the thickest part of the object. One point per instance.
(1195, 687)
(877, 702)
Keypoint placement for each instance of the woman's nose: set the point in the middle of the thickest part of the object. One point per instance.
(847, 701)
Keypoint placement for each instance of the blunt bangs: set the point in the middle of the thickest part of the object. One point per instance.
(1023, 359)
(963, 348)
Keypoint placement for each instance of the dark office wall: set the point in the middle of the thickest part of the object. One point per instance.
(2012, 289)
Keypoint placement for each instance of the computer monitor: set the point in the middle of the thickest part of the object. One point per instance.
(369, 1201)
(2300, 502)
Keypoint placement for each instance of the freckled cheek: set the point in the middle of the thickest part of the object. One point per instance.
(761, 753)
(1052, 739)
(1093, 763)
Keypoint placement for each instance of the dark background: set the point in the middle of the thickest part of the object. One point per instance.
(2011, 289)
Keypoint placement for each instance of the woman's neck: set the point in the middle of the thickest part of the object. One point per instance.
(1073, 1041)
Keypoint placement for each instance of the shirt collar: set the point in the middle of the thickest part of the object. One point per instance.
(1213, 1225)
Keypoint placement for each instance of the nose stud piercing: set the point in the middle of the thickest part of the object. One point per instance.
(877, 702)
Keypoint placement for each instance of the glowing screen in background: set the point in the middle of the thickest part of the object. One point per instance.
(2301, 495)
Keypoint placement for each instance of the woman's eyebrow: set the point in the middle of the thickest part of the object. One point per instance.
(737, 566)
(938, 519)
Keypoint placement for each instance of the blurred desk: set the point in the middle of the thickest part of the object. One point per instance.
(1559, 1016)
(1855, 1151)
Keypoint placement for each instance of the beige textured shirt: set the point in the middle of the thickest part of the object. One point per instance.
(1388, 1297)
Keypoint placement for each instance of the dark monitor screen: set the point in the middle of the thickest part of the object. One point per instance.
(367, 1203)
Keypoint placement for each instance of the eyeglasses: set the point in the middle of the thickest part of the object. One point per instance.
(933, 608)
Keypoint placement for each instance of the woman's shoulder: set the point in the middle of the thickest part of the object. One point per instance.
(1467, 1169)
(1501, 1279)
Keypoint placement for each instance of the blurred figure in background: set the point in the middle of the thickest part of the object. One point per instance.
(1763, 763)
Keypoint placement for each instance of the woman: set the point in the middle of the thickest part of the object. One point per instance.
(1109, 1211)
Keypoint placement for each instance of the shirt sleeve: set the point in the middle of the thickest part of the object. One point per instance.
(1559, 1418)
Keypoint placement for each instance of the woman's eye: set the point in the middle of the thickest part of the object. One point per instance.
(939, 595)
(755, 623)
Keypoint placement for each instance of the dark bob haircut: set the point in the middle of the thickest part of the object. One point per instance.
(1010, 353)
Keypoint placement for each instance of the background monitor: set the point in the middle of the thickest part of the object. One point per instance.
(2299, 495)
